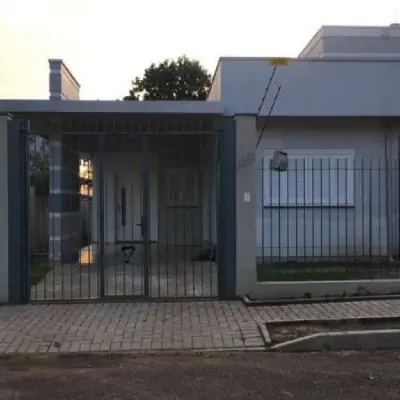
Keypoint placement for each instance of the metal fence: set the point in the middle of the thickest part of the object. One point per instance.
(329, 218)
(151, 207)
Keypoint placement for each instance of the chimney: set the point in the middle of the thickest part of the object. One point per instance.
(62, 83)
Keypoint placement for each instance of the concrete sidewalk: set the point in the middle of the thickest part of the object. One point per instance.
(136, 327)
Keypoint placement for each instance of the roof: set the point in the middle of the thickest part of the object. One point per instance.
(111, 107)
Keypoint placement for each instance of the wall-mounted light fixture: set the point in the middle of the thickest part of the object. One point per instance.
(279, 161)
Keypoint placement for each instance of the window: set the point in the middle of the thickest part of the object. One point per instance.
(313, 178)
(182, 187)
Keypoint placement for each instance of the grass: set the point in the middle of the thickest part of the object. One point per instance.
(315, 271)
(39, 266)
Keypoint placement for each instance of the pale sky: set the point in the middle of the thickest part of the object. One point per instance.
(106, 43)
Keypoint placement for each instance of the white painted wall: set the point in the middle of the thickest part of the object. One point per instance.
(215, 90)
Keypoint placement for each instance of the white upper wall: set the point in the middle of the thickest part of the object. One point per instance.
(361, 41)
(312, 87)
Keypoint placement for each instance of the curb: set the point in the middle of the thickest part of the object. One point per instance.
(262, 328)
(318, 321)
(124, 354)
(340, 341)
(279, 302)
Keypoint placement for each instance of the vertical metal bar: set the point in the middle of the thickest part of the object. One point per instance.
(397, 165)
(396, 203)
(370, 209)
(271, 215)
(146, 213)
(379, 206)
(355, 210)
(279, 217)
(346, 171)
(142, 220)
(101, 213)
(362, 207)
(61, 228)
(296, 196)
(329, 208)
(321, 208)
(51, 200)
(304, 211)
(184, 212)
(387, 203)
(165, 188)
(338, 186)
(113, 147)
(119, 261)
(159, 277)
(73, 154)
(287, 213)
(90, 223)
(262, 212)
(174, 210)
(312, 210)
(201, 199)
(210, 178)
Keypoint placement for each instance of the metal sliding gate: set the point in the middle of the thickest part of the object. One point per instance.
(119, 216)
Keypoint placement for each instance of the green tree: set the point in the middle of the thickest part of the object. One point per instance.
(180, 79)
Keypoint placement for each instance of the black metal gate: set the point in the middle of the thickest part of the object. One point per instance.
(122, 216)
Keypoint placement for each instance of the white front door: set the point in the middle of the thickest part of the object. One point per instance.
(128, 206)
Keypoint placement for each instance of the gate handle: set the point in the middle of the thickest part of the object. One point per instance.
(141, 225)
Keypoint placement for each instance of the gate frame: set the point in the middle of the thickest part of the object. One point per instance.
(19, 290)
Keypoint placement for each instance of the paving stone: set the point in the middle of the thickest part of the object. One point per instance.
(145, 326)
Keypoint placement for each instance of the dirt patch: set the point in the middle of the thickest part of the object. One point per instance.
(283, 332)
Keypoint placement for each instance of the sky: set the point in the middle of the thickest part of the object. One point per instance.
(106, 43)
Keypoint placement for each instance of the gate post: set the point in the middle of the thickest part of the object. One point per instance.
(246, 158)
(13, 213)
(226, 208)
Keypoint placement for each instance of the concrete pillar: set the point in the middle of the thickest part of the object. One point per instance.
(246, 138)
(64, 200)
(4, 280)
(62, 83)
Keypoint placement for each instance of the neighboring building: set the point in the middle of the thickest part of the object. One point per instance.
(361, 41)
(170, 176)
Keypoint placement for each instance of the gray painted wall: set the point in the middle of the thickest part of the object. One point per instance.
(312, 87)
(372, 46)
(62, 83)
(337, 41)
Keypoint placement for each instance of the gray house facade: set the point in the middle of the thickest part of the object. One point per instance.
(186, 200)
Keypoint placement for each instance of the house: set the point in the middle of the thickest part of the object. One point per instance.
(194, 199)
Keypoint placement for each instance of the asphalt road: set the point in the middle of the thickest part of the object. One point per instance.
(242, 376)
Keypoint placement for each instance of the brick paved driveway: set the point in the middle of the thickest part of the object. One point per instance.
(157, 326)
